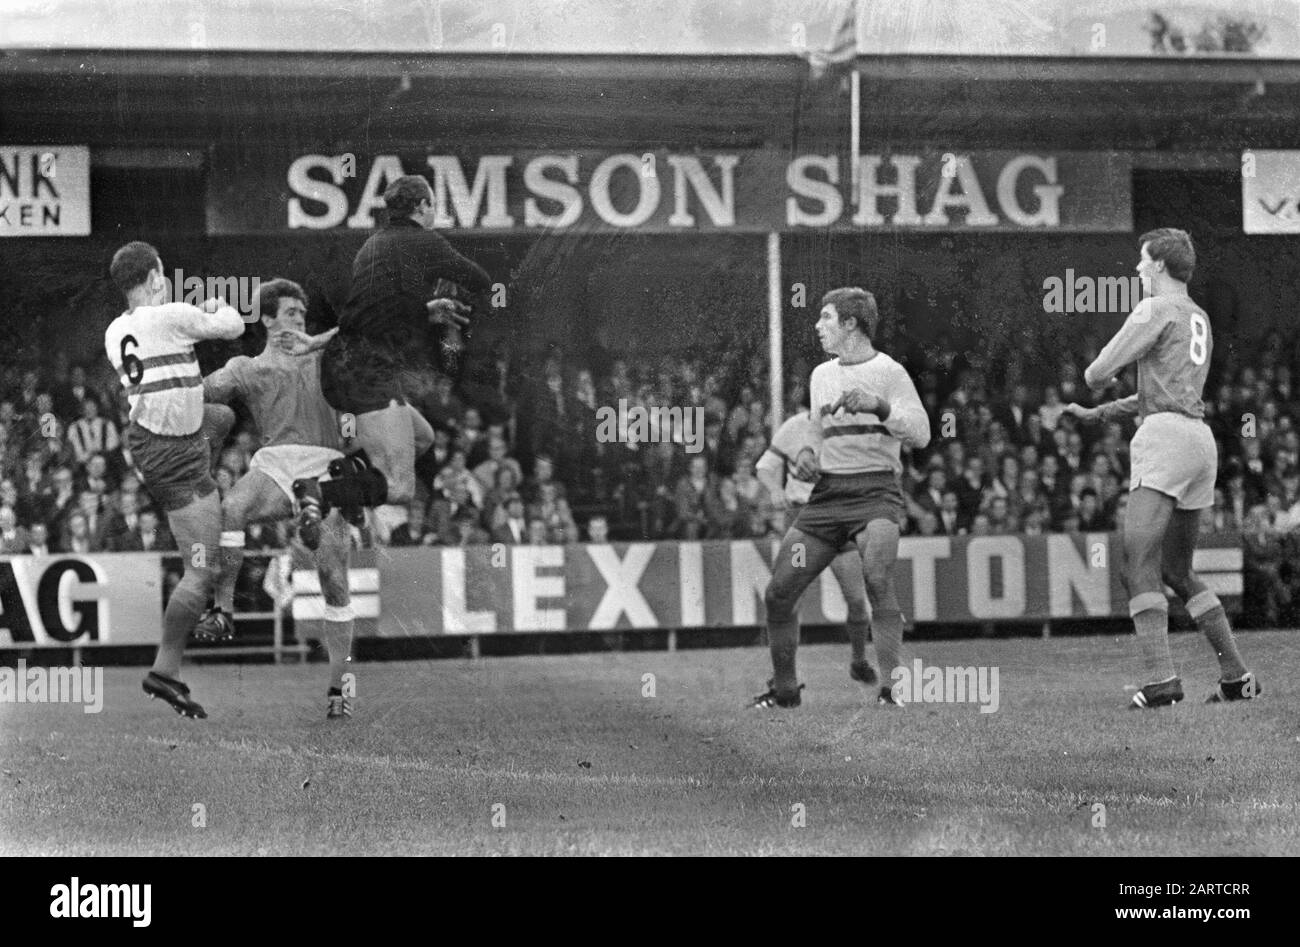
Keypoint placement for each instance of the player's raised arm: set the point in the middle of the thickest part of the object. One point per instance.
(1133, 340)
(224, 322)
(905, 416)
(443, 262)
(293, 342)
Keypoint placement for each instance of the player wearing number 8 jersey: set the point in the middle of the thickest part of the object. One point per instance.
(151, 347)
(1174, 466)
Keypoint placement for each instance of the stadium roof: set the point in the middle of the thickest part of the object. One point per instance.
(148, 88)
(465, 102)
(640, 27)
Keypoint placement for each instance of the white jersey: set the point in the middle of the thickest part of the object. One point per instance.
(790, 438)
(859, 442)
(152, 351)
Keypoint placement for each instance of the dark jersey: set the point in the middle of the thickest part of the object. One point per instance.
(395, 273)
(1169, 338)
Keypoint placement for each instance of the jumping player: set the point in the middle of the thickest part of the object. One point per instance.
(864, 406)
(1174, 466)
(151, 347)
(300, 439)
(777, 471)
(390, 322)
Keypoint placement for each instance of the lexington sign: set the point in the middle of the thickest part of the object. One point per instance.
(668, 192)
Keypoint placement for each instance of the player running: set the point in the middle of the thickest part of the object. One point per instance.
(1174, 465)
(151, 347)
(777, 471)
(385, 333)
(300, 439)
(864, 406)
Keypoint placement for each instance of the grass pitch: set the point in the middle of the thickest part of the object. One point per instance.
(564, 755)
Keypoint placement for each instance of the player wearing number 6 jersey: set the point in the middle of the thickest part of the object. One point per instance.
(151, 347)
(1174, 465)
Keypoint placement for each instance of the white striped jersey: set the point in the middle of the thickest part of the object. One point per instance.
(860, 442)
(152, 351)
(790, 438)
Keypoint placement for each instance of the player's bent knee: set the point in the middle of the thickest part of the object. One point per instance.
(779, 602)
(1180, 582)
(397, 490)
(197, 578)
(234, 514)
(857, 609)
(339, 612)
(879, 581)
(334, 587)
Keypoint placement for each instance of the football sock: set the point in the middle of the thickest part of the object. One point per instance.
(1212, 621)
(232, 558)
(184, 608)
(858, 631)
(888, 627)
(783, 639)
(338, 626)
(1150, 613)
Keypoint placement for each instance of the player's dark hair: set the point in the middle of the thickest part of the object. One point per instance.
(132, 265)
(857, 302)
(404, 195)
(1173, 248)
(269, 296)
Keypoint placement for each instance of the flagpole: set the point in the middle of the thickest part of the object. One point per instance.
(776, 363)
(855, 131)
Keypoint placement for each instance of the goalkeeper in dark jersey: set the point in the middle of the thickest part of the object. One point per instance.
(411, 297)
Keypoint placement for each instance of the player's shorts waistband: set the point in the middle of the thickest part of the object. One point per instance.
(1173, 420)
(140, 430)
(866, 478)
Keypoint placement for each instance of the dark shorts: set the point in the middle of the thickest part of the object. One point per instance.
(175, 470)
(358, 375)
(842, 505)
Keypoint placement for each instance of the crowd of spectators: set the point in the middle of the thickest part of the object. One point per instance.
(520, 456)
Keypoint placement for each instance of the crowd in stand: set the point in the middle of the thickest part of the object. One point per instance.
(520, 457)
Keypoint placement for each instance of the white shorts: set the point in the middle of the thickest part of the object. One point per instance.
(285, 463)
(1176, 455)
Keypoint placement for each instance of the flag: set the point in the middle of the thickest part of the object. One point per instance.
(839, 54)
(843, 47)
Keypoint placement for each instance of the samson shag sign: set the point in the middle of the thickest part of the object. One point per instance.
(667, 192)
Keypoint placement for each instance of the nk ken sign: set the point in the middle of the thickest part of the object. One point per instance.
(44, 191)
